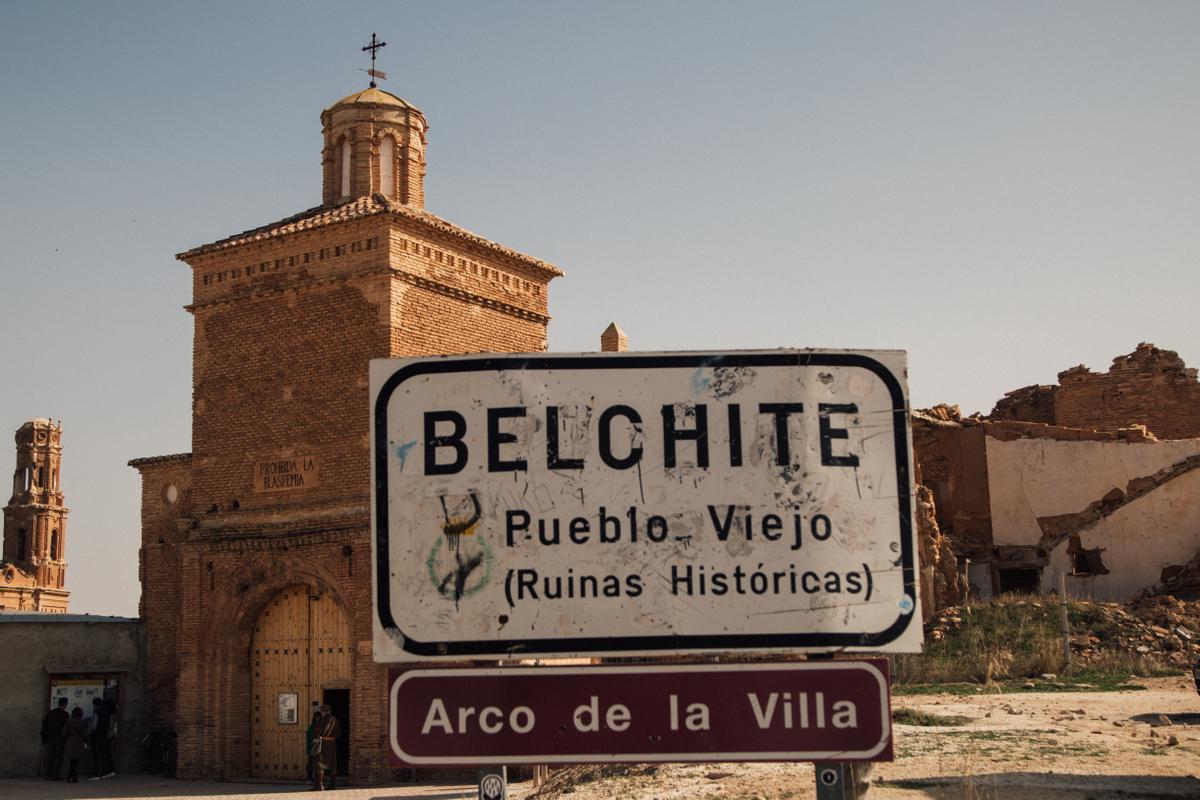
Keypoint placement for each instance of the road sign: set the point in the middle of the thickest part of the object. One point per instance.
(553, 505)
(799, 711)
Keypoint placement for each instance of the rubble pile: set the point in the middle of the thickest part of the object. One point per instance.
(1161, 631)
(1180, 581)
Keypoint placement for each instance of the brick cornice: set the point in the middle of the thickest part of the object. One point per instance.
(471, 297)
(259, 540)
(407, 277)
(295, 283)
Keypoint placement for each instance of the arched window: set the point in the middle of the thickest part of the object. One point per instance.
(54, 545)
(22, 549)
(28, 478)
(41, 475)
(54, 480)
(387, 166)
(345, 167)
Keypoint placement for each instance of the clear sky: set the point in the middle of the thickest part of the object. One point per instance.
(1004, 190)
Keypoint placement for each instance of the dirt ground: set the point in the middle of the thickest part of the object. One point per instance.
(1064, 746)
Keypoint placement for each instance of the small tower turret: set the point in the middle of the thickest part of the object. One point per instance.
(374, 144)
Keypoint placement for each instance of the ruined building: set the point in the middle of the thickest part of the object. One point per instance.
(33, 570)
(256, 552)
(1094, 479)
(1149, 387)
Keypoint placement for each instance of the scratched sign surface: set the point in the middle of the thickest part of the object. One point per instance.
(559, 505)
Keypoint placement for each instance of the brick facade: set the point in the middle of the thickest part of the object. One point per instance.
(276, 489)
(1150, 387)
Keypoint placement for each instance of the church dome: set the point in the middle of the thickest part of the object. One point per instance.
(374, 144)
(373, 95)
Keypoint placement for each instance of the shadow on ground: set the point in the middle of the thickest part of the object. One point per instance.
(1189, 718)
(1060, 786)
(148, 787)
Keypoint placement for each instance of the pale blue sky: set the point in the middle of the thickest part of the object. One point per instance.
(1004, 190)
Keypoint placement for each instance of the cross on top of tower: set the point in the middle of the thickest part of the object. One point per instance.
(374, 73)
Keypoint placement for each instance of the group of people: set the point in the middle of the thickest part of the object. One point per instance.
(67, 738)
(321, 740)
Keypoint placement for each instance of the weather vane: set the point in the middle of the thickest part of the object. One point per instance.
(374, 73)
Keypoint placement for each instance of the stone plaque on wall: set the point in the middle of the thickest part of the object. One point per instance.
(286, 474)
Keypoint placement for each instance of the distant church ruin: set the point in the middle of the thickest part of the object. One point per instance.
(33, 570)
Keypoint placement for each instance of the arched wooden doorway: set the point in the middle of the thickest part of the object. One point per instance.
(300, 654)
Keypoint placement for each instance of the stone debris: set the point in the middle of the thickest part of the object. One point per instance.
(1155, 626)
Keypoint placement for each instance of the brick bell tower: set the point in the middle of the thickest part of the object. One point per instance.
(35, 524)
(256, 545)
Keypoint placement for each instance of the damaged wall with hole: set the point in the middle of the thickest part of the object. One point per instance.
(1112, 515)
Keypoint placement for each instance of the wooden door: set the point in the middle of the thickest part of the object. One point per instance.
(301, 646)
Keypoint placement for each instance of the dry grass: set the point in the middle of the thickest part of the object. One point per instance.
(1015, 637)
(1006, 638)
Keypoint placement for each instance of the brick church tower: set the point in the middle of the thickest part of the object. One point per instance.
(255, 557)
(33, 570)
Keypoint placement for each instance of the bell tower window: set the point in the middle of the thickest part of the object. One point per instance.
(54, 545)
(22, 548)
(345, 168)
(387, 166)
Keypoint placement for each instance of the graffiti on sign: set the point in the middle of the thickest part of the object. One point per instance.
(586, 504)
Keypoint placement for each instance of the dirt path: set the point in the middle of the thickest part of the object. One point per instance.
(1067, 746)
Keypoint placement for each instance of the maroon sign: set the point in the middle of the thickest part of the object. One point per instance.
(803, 711)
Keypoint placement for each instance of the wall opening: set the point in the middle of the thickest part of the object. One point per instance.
(1020, 581)
(345, 167)
(387, 166)
(1085, 561)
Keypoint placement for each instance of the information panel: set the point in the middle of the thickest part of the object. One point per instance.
(803, 711)
(636, 504)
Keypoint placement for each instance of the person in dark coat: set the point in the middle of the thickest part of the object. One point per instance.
(311, 746)
(98, 743)
(52, 739)
(75, 737)
(330, 731)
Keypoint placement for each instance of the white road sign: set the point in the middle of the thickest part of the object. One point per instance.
(557, 505)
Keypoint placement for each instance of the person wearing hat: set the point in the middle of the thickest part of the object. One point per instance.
(52, 739)
(329, 730)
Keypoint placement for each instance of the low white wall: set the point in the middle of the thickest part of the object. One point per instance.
(1031, 478)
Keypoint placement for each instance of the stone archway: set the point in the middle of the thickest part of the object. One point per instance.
(301, 648)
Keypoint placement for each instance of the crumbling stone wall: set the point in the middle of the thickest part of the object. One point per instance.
(939, 566)
(952, 463)
(1150, 387)
(1027, 404)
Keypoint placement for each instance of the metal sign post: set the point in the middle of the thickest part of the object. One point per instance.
(493, 783)
(838, 780)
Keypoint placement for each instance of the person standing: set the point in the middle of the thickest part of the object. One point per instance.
(52, 739)
(98, 741)
(75, 738)
(113, 748)
(330, 731)
(312, 744)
